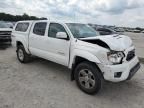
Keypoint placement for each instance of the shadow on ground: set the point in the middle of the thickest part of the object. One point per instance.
(4, 46)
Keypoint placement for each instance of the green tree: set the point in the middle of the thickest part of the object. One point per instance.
(9, 17)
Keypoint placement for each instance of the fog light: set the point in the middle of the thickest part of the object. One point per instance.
(117, 74)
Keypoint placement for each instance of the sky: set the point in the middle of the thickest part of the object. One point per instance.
(106, 12)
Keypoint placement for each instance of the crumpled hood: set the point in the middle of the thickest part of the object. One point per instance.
(115, 42)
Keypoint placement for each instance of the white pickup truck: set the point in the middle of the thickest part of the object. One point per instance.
(91, 58)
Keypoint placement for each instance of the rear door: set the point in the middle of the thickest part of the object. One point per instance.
(37, 38)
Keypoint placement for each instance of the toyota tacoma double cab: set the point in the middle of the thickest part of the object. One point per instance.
(91, 58)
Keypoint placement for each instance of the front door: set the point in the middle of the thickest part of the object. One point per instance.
(58, 48)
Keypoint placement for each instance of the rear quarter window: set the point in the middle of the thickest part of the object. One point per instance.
(22, 27)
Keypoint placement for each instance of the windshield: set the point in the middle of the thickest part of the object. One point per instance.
(81, 30)
(3, 25)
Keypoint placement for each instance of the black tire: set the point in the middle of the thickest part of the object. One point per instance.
(26, 57)
(95, 76)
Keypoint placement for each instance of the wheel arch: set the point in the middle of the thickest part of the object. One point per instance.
(18, 43)
(77, 60)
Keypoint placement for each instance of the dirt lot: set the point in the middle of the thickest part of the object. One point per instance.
(138, 40)
(43, 84)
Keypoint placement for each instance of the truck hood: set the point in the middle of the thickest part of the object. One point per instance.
(5, 29)
(113, 42)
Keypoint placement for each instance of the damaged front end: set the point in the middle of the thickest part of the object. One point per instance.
(98, 42)
(112, 42)
(118, 46)
(117, 56)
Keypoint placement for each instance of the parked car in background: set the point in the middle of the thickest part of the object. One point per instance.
(105, 31)
(121, 30)
(90, 57)
(5, 33)
(136, 31)
(10, 24)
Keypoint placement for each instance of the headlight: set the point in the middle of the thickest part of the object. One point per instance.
(115, 57)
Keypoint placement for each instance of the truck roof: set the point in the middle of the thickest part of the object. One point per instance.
(51, 21)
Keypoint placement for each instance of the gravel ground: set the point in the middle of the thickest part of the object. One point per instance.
(44, 84)
(138, 39)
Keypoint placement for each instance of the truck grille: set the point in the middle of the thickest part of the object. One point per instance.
(5, 33)
(130, 55)
(5, 36)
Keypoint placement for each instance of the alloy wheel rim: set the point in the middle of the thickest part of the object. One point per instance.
(20, 54)
(86, 79)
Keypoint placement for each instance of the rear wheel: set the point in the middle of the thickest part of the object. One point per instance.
(88, 77)
(22, 56)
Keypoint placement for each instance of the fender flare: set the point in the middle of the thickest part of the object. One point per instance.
(24, 44)
(84, 54)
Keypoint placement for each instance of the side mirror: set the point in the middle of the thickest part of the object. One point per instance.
(62, 35)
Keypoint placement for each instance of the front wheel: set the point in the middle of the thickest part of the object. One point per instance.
(88, 77)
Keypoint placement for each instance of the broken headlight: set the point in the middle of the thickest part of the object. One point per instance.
(115, 57)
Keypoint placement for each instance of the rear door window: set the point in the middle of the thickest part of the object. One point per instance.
(39, 28)
(22, 27)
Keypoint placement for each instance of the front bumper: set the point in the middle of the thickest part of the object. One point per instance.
(127, 70)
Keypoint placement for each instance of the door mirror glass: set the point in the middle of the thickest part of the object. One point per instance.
(61, 35)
